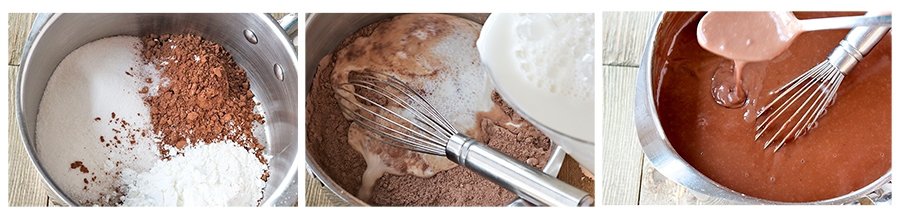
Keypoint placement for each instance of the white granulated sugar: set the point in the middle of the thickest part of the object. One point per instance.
(91, 83)
(217, 174)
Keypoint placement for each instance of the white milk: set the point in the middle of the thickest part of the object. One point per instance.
(543, 65)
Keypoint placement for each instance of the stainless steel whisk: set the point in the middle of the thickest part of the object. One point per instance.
(803, 100)
(392, 111)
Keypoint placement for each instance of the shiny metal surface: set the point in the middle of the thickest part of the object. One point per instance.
(54, 36)
(526, 182)
(554, 164)
(855, 46)
(666, 160)
(323, 34)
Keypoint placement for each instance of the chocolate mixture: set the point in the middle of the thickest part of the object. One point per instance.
(327, 140)
(459, 186)
(207, 96)
(850, 148)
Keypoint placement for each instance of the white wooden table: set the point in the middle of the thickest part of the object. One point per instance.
(628, 177)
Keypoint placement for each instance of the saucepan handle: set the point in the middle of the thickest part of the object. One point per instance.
(289, 23)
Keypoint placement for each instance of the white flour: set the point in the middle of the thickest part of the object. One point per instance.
(217, 174)
(75, 124)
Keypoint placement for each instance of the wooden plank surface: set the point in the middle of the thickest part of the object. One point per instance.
(622, 156)
(318, 196)
(19, 25)
(624, 36)
(25, 185)
(656, 189)
(26, 188)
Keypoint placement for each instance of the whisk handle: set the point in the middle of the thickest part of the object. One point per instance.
(857, 44)
(520, 178)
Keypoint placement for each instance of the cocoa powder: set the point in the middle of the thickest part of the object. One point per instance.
(79, 166)
(326, 135)
(123, 131)
(207, 97)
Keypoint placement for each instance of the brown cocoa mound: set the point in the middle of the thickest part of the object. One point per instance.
(207, 97)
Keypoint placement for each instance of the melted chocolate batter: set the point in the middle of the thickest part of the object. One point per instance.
(850, 148)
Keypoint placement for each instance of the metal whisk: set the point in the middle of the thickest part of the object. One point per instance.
(802, 101)
(392, 111)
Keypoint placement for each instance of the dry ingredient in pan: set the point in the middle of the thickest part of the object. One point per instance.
(207, 97)
(75, 111)
(217, 174)
(119, 119)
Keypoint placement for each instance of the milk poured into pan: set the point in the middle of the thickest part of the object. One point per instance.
(432, 53)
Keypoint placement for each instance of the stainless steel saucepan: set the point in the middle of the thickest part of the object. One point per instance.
(324, 32)
(663, 156)
(256, 41)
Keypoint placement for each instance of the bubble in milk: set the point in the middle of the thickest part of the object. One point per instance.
(555, 52)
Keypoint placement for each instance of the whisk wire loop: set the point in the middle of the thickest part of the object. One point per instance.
(371, 86)
(819, 87)
(389, 108)
(376, 124)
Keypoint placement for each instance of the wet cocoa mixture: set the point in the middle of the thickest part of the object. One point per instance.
(327, 142)
(850, 148)
(207, 96)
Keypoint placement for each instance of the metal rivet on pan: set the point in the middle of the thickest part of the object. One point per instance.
(251, 37)
(279, 72)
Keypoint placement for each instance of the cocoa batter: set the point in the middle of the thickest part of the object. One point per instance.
(849, 149)
(744, 37)
(747, 36)
(327, 140)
